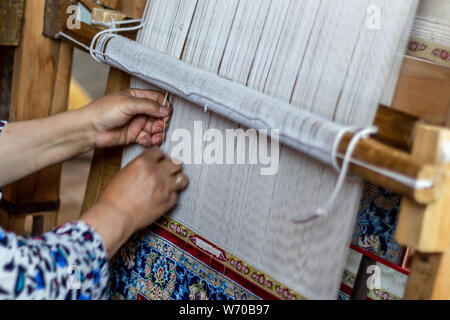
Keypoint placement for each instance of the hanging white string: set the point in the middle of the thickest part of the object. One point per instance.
(166, 99)
(362, 133)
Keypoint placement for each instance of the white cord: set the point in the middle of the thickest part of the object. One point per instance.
(112, 28)
(165, 98)
(115, 23)
(62, 34)
(363, 133)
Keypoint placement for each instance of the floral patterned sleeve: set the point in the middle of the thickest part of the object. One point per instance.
(69, 262)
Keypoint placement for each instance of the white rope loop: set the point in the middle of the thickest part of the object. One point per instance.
(362, 133)
(112, 28)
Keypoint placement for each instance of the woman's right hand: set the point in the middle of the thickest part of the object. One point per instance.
(136, 198)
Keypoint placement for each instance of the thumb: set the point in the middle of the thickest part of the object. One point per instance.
(139, 106)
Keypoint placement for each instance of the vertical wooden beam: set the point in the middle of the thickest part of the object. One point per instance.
(429, 277)
(6, 69)
(426, 228)
(41, 76)
(107, 162)
(11, 15)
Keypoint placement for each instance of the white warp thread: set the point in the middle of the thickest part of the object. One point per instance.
(316, 55)
(301, 130)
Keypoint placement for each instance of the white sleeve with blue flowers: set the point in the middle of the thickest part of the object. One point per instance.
(69, 262)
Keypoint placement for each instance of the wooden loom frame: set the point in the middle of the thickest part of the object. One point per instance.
(410, 140)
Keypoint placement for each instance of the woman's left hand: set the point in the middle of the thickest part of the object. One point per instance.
(131, 116)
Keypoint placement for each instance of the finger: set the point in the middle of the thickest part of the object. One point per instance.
(134, 128)
(159, 97)
(146, 94)
(154, 126)
(173, 198)
(171, 167)
(179, 182)
(166, 120)
(157, 126)
(144, 139)
(154, 154)
(147, 107)
(157, 139)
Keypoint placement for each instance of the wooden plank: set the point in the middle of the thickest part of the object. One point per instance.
(100, 15)
(423, 90)
(40, 88)
(56, 16)
(396, 128)
(132, 8)
(11, 17)
(429, 278)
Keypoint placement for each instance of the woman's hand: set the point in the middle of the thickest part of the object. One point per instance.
(137, 197)
(132, 116)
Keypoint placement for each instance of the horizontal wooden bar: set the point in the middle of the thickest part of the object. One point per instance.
(387, 150)
(396, 128)
(380, 155)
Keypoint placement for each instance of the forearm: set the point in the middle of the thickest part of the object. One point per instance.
(33, 145)
(112, 226)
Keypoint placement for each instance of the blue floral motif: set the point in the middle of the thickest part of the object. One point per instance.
(376, 223)
(38, 267)
(163, 271)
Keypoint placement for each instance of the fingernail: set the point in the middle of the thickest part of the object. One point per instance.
(159, 130)
(163, 110)
(144, 141)
(177, 161)
(158, 140)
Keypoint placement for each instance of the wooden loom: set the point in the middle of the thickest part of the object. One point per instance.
(410, 141)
